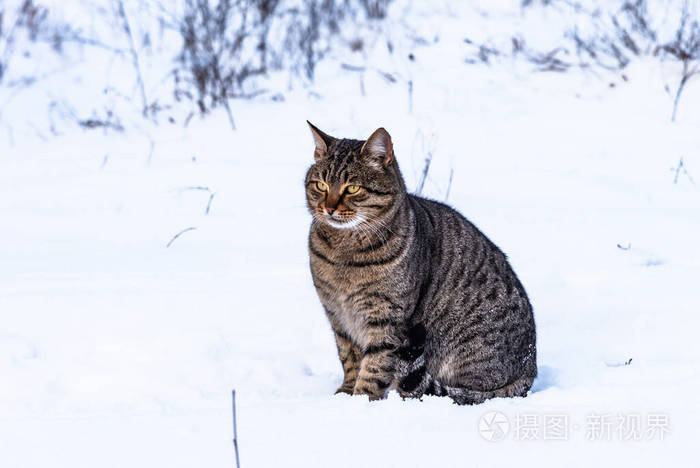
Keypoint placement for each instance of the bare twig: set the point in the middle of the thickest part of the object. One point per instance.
(178, 235)
(8, 49)
(76, 38)
(235, 428)
(350, 67)
(211, 197)
(424, 175)
(685, 76)
(685, 48)
(229, 113)
(134, 55)
(449, 184)
(110, 122)
(678, 169)
(203, 189)
(619, 364)
(389, 77)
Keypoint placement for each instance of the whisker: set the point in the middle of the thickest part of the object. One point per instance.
(369, 227)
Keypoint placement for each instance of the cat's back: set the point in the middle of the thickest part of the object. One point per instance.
(462, 257)
(446, 228)
(475, 297)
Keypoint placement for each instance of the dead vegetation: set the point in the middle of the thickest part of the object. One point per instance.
(609, 42)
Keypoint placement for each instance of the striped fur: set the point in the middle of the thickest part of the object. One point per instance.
(418, 298)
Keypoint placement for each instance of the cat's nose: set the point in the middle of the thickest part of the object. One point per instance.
(330, 210)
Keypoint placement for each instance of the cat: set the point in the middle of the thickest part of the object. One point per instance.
(418, 298)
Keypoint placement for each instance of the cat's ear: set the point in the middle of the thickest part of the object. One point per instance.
(321, 141)
(378, 148)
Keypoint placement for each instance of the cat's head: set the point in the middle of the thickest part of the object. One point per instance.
(353, 181)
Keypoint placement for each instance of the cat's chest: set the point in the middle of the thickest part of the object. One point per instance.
(339, 298)
(352, 321)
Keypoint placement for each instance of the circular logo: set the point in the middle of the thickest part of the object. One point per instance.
(494, 426)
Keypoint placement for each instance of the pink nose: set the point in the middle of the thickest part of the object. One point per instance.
(330, 210)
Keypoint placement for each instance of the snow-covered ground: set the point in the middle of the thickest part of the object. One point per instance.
(116, 350)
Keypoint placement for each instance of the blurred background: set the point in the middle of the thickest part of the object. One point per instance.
(153, 226)
(116, 65)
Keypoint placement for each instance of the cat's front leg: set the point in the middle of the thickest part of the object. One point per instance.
(349, 355)
(379, 362)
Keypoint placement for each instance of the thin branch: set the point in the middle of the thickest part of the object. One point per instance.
(449, 184)
(424, 175)
(229, 113)
(203, 189)
(89, 41)
(8, 50)
(686, 75)
(134, 55)
(235, 429)
(216, 68)
(211, 197)
(681, 166)
(350, 67)
(619, 364)
(178, 235)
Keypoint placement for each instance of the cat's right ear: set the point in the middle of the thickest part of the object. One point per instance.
(379, 149)
(321, 141)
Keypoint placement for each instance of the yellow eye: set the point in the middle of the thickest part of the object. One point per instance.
(322, 186)
(353, 188)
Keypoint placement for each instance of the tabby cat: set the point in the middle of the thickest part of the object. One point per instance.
(418, 298)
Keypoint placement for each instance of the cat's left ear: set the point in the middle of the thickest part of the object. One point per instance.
(379, 149)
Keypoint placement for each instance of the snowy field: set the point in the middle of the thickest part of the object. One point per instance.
(116, 350)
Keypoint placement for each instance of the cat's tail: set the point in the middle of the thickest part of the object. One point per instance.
(419, 382)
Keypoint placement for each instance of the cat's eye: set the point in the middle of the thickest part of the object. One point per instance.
(353, 188)
(322, 186)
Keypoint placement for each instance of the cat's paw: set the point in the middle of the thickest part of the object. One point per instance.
(344, 389)
(371, 396)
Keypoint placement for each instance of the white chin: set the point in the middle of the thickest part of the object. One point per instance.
(344, 225)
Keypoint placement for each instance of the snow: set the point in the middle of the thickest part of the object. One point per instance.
(116, 350)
